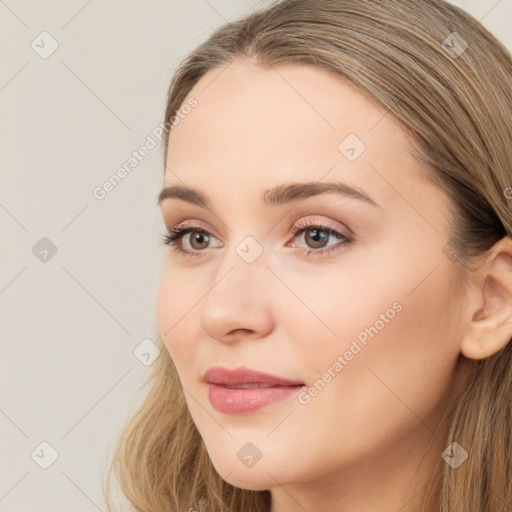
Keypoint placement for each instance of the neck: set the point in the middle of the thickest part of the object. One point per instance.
(399, 480)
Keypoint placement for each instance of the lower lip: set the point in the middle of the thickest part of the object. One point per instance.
(240, 401)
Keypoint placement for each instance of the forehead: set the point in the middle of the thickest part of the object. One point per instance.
(260, 127)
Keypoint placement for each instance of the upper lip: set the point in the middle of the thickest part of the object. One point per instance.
(239, 376)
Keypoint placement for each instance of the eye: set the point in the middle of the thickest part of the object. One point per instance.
(175, 237)
(316, 235)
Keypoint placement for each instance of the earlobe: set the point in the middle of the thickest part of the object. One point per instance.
(490, 328)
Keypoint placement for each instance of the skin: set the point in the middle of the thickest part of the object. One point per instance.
(358, 444)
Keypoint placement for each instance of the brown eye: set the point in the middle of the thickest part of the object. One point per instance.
(316, 238)
(200, 238)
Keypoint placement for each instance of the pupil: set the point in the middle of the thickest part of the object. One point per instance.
(199, 237)
(316, 236)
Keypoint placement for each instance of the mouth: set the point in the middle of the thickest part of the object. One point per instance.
(257, 385)
(244, 390)
(243, 376)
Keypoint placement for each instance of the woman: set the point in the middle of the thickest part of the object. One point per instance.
(335, 307)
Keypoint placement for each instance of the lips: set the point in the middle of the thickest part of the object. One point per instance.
(243, 390)
(246, 378)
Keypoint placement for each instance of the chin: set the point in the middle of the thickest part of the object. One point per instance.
(250, 479)
(265, 474)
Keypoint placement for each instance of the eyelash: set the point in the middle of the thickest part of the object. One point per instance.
(173, 238)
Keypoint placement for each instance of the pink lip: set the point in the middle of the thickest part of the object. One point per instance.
(227, 395)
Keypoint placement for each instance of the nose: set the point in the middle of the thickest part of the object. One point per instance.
(238, 304)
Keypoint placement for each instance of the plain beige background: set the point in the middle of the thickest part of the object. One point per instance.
(78, 274)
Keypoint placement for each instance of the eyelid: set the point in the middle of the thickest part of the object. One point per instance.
(194, 224)
(190, 225)
(304, 222)
(314, 220)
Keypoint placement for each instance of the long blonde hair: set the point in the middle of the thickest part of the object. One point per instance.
(457, 103)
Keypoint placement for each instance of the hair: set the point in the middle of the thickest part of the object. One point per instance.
(458, 109)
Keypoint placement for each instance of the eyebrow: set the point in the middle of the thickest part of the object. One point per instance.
(277, 196)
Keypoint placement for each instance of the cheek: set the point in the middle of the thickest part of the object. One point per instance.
(165, 308)
(393, 352)
(392, 390)
(174, 314)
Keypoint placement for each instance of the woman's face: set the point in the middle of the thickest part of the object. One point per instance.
(363, 321)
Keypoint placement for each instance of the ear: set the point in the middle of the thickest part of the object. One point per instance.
(490, 328)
